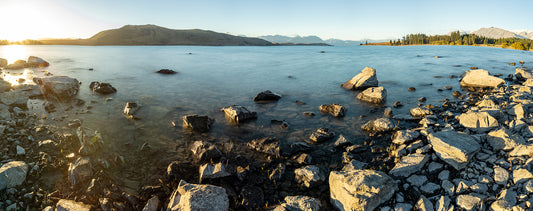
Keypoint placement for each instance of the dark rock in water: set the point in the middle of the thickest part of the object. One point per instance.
(367, 78)
(276, 173)
(512, 63)
(521, 62)
(175, 170)
(397, 104)
(205, 152)
(322, 51)
(299, 102)
(267, 145)
(437, 76)
(166, 71)
(80, 171)
(17, 65)
(59, 86)
(282, 123)
(34, 61)
(267, 96)
(422, 99)
(321, 135)
(299, 147)
(102, 88)
(474, 68)
(197, 123)
(509, 77)
(252, 197)
(238, 114)
(335, 110)
(91, 69)
(411, 89)
(453, 76)
(448, 87)
(308, 113)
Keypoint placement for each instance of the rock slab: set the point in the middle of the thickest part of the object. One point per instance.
(480, 78)
(454, 148)
(59, 86)
(198, 197)
(367, 78)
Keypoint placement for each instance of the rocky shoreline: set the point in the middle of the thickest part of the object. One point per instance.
(472, 152)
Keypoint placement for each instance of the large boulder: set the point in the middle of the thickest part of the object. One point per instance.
(17, 65)
(367, 78)
(34, 61)
(478, 121)
(80, 171)
(360, 189)
(379, 125)
(267, 96)
(454, 148)
(198, 197)
(13, 174)
(238, 114)
(409, 164)
(375, 95)
(480, 78)
(335, 110)
(3, 62)
(197, 123)
(102, 88)
(70, 205)
(59, 86)
(502, 140)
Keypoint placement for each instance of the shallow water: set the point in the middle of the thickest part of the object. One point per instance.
(210, 78)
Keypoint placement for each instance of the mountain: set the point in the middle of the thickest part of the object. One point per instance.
(156, 35)
(496, 33)
(525, 34)
(337, 42)
(296, 39)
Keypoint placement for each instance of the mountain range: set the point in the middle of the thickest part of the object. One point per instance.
(309, 39)
(496, 33)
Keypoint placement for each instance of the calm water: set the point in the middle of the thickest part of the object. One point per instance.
(214, 77)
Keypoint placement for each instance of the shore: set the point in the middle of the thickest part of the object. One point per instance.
(480, 45)
(473, 151)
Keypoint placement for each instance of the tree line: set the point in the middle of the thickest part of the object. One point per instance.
(23, 42)
(456, 38)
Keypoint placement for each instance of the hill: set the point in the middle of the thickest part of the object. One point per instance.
(496, 33)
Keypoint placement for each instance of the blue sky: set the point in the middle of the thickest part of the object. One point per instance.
(351, 20)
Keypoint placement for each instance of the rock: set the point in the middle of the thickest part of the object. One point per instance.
(300, 203)
(367, 78)
(434, 167)
(528, 187)
(102, 88)
(397, 104)
(3, 62)
(267, 96)
(419, 112)
(80, 171)
(20, 150)
(480, 78)
(506, 201)
(424, 204)
(417, 180)
(502, 140)
(4, 86)
(454, 148)
(443, 204)
(354, 165)
(360, 189)
(166, 72)
(448, 187)
(469, 201)
(409, 164)
(70, 205)
(375, 95)
(479, 188)
(404, 136)
(238, 114)
(130, 109)
(13, 174)
(4, 112)
(335, 110)
(59, 86)
(198, 197)
(500, 175)
(197, 123)
(267, 145)
(523, 74)
(205, 152)
(388, 112)
(252, 197)
(17, 65)
(521, 175)
(403, 207)
(19, 96)
(522, 150)
(528, 82)
(478, 121)
(175, 170)
(342, 141)
(430, 188)
(277, 173)
(34, 61)
(152, 204)
(303, 158)
(210, 171)
(321, 135)
(379, 125)
(309, 175)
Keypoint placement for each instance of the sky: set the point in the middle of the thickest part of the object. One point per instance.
(341, 19)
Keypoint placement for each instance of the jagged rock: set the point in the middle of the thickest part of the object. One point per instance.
(443, 204)
(342, 141)
(420, 112)
(268, 145)
(500, 175)
(210, 171)
(59, 86)
(80, 171)
(404, 136)
(430, 188)
(367, 78)
(417, 180)
(198, 197)
(303, 158)
(379, 125)
(238, 114)
(294, 203)
(528, 82)
(152, 204)
(375, 95)
(469, 201)
(166, 72)
(102, 88)
(409, 164)
(478, 121)
(34, 61)
(360, 189)
(321, 135)
(205, 152)
(70, 205)
(267, 96)
(454, 148)
(521, 175)
(424, 204)
(506, 201)
(502, 140)
(480, 78)
(309, 175)
(197, 123)
(335, 110)
(13, 174)
(20, 150)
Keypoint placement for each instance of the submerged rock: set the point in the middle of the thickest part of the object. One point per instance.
(335, 110)
(59, 86)
(267, 96)
(453, 147)
(480, 78)
(367, 78)
(102, 88)
(379, 125)
(198, 197)
(238, 114)
(130, 109)
(13, 174)
(375, 95)
(197, 123)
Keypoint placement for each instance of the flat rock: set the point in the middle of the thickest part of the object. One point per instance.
(166, 72)
(376, 95)
(379, 125)
(70, 205)
(267, 145)
(300, 203)
(59, 86)
(13, 174)
(354, 165)
(309, 175)
(430, 188)
(197, 123)
(198, 197)
(417, 180)
(360, 189)
(521, 175)
(238, 114)
(409, 164)
(480, 78)
(453, 147)
(367, 78)
(79, 171)
(478, 121)
(335, 110)
(321, 135)
(267, 96)
(502, 140)
(404, 136)
(420, 112)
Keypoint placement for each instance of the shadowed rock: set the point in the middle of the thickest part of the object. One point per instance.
(321, 135)
(238, 114)
(409, 164)
(299, 203)
(478, 121)
(80, 171)
(34, 61)
(102, 88)
(166, 72)
(379, 125)
(197, 123)
(268, 145)
(13, 174)
(59, 86)
(267, 96)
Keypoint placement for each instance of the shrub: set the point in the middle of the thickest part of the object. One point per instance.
(518, 46)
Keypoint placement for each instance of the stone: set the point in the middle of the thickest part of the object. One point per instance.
(267, 145)
(59, 86)
(523, 74)
(17, 65)
(376, 95)
(528, 187)
(478, 121)
(20, 150)
(443, 204)
(252, 197)
(213, 171)
(13, 174)
(430, 188)
(528, 82)
(4, 85)
(479, 188)
(4, 112)
(197, 123)
(335, 110)
(379, 125)
(424, 204)
(502, 140)
(152, 204)
(198, 197)
(480, 78)
(354, 165)
(454, 148)
(80, 171)
(404, 136)
(360, 189)
(521, 175)
(409, 164)
(300, 203)
(102, 88)
(321, 135)
(388, 112)
(403, 207)
(70, 205)
(434, 167)
(522, 150)
(166, 72)
(303, 158)
(367, 78)
(420, 112)
(417, 180)
(20, 96)
(267, 96)
(342, 141)
(34, 61)
(469, 201)
(277, 172)
(448, 187)
(205, 152)
(506, 201)
(501, 176)
(130, 109)
(238, 114)
(309, 175)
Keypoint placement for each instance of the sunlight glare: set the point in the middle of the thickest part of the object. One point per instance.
(19, 77)
(13, 53)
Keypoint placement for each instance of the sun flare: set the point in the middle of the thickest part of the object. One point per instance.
(13, 52)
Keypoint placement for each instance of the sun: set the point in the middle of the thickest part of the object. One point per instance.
(13, 52)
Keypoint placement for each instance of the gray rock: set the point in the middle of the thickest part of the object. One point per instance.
(297, 203)
(469, 201)
(424, 204)
(238, 114)
(478, 121)
(502, 140)
(360, 189)
(528, 187)
(480, 78)
(335, 110)
(197, 123)
(309, 175)
(479, 188)
(342, 141)
(521, 175)
(376, 95)
(404, 136)
(70, 205)
(267, 145)
(409, 164)
(4, 112)
(210, 171)
(454, 148)
(434, 167)
(20, 150)
(379, 125)
(501, 176)
(80, 171)
(354, 165)
(448, 187)
(417, 180)
(321, 135)
(430, 188)
(13, 174)
(367, 78)
(152, 204)
(4, 85)
(205, 152)
(403, 207)
(420, 112)
(198, 197)
(267, 96)
(59, 86)
(20, 96)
